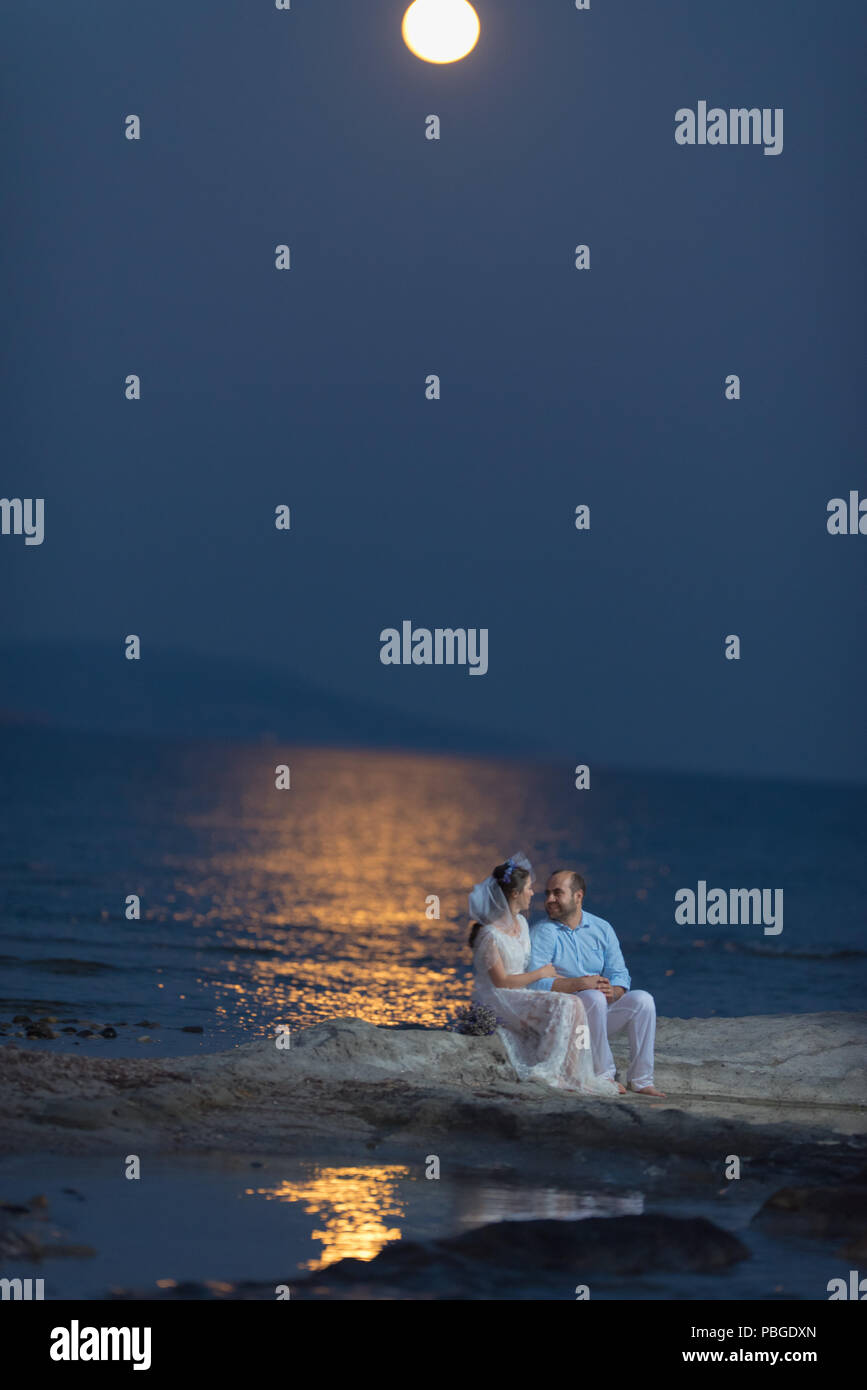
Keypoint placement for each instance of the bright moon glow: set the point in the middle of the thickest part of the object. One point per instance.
(440, 31)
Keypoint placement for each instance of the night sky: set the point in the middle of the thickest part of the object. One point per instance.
(454, 257)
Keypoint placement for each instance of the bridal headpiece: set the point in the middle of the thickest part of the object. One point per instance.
(487, 901)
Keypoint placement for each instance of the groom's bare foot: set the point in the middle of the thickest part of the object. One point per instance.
(648, 1091)
(621, 1089)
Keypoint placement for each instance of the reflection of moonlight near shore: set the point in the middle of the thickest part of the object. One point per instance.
(440, 31)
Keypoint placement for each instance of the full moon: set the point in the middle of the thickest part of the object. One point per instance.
(440, 31)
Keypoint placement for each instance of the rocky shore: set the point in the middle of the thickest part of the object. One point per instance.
(750, 1086)
(783, 1094)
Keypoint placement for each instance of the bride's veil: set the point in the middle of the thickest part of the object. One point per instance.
(487, 901)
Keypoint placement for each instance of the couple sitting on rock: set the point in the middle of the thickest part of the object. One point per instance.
(560, 995)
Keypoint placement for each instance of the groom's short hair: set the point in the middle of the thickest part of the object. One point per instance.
(578, 883)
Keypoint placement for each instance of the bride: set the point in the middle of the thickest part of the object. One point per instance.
(544, 1034)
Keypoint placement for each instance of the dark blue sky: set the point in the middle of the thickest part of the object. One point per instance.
(455, 257)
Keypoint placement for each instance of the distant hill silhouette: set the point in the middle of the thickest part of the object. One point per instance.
(86, 686)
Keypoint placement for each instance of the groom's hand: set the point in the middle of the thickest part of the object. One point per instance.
(592, 982)
(573, 984)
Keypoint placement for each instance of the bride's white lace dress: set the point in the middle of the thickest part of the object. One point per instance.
(542, 1031)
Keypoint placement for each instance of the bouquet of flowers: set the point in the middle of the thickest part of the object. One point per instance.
(477, 1020)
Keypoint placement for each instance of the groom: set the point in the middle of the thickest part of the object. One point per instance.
(580, 946)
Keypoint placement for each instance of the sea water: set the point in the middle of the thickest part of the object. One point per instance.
(345, 894)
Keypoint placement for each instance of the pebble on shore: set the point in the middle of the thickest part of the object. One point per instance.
(40, 1029)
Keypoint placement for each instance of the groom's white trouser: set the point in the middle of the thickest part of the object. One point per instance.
(636, 1012)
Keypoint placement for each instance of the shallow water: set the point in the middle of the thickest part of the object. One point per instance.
(262, 907)
(226, 1221)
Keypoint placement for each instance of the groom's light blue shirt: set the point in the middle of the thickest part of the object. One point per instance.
(590, 949)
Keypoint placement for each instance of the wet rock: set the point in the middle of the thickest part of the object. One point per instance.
(143, 1023)
(815, 1211)
(22, 1018)
(67, 1030)
(552, 1253)
(41, 1030)
(192, 1028)
(85, 1033)
(108, 1033)
(18, 1245)
(208, 1290)
(21, 1244)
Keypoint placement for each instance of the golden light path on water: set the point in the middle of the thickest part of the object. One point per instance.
(357, 1208)
(317, 896)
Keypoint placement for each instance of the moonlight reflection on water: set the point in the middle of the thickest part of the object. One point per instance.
(263, 907)
(321, 902)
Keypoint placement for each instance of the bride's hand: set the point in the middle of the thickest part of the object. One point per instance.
(548, 972)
